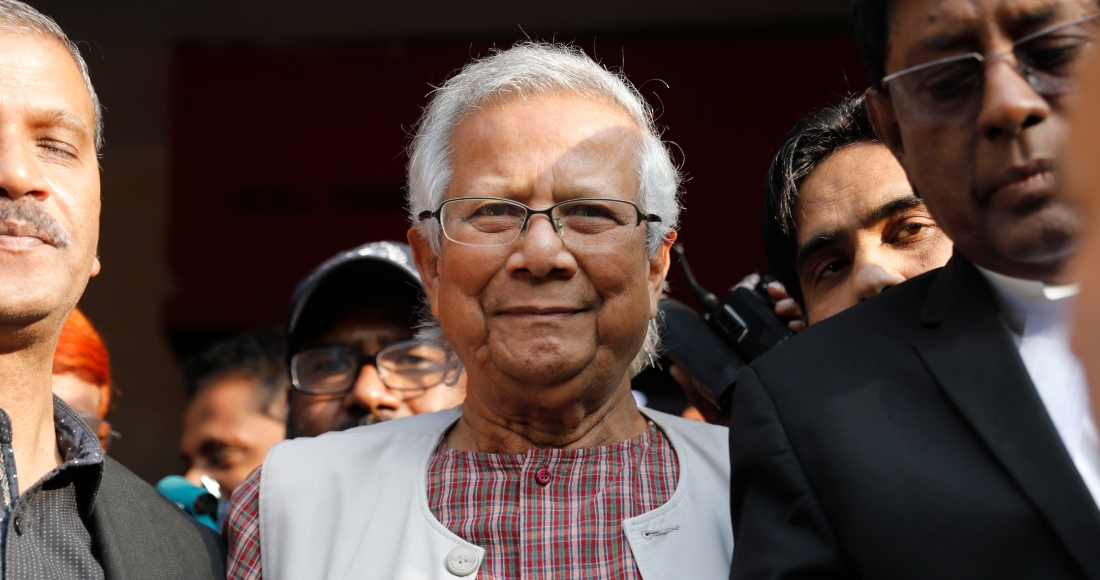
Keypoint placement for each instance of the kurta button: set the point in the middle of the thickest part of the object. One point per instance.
(542, 476)
(462, 561)
(17, 523)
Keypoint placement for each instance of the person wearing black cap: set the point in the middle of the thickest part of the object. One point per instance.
(349, 334)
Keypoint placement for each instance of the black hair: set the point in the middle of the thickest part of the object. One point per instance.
(871, 24)
(811, 141)
(260, 355)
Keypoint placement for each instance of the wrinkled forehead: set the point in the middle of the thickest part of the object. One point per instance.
(39, 76)
(569, 139)
(847, 188)
(922, 28)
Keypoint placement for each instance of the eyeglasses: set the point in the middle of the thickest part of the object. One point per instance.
(102, 430)
(408, 368)
(491, 221)
(952, 87)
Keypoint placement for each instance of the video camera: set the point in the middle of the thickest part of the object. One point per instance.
(739, 327)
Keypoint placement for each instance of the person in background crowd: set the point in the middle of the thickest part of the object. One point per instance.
(349, 335)
(941, 429)
(545, 205)
(841, 223)
(237, 391)
(1083, 189)
(82, 374)
(66, 509)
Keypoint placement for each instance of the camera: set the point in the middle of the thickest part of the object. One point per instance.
(739, 327)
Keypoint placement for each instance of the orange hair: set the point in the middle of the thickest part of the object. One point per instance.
(81, 352)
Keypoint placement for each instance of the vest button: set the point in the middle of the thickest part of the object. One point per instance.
(462, 561)
(17, 523)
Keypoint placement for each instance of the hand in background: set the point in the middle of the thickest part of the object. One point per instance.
(785, 307)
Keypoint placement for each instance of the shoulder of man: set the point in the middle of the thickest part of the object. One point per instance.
(686, 427)
(135, 530)
(851, 340)
(708, 443)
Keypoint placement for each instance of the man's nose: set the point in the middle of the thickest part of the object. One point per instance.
(1009, 103)
(542, 251)
(20, 173)
(873, 275)
(370, 392)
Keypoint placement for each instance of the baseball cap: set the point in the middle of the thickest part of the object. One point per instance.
(370, 271)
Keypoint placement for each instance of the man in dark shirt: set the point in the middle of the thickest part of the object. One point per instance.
(67, 511)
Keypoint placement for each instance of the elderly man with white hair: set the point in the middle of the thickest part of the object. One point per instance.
(544, 205)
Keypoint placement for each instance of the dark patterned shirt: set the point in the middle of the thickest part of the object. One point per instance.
(42, 533)
(549, 513)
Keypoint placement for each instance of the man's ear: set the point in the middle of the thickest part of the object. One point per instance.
(427, 263)
(96, 266)
(880, 109)
(658, 271)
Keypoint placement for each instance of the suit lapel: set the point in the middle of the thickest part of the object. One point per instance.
(969, 350)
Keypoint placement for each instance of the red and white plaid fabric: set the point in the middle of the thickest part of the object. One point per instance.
(242, 530)
(553, 513)
(550, 513)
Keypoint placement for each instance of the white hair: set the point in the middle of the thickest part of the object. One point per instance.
(526, 70)
(21, 18)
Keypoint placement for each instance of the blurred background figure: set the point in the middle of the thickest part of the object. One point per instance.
(236, 411)
(82, 375)
(1083, 190)
(349, 334)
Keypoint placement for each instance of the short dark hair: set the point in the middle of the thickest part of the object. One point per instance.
(811, 141)
(260, 355)
(871, 24)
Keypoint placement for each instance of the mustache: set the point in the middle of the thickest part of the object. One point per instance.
(25, 217)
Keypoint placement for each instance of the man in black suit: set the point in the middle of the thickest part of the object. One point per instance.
(941, 428)
(66, 509)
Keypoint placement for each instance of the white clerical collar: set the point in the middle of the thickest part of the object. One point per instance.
(1021, 289)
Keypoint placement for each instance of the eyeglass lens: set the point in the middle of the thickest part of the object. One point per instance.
(954, 87)
(497, 222)
(403, 367)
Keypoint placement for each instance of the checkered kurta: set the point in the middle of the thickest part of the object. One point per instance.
(549, 513)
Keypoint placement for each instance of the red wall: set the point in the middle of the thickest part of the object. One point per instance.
(282, 157)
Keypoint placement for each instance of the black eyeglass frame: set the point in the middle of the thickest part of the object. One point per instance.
(548, 212)
(450, 376)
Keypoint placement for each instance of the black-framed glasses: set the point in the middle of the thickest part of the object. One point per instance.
(952, 87)
(492, 221)
(407, 368)
(102, 430)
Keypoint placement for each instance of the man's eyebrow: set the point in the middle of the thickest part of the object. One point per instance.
(890, 209)
(825, 240)
(1042, 15)
(65, 119)
(965, 37)
(816, 244)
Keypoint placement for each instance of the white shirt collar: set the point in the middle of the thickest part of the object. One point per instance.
(1019, 288)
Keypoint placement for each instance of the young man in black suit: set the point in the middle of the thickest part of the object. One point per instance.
(941, 428)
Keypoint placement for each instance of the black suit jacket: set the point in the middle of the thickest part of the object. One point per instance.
(138, 534)
(903, 438)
